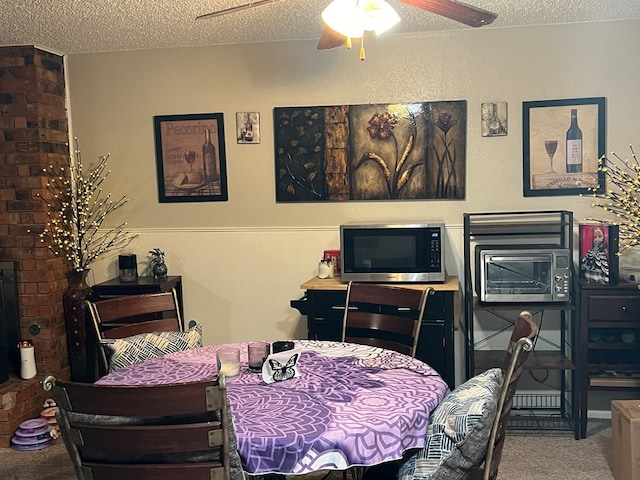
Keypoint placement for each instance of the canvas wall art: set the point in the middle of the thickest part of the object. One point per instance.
(371, 152)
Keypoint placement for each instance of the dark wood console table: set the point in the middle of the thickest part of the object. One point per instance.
(323, 304)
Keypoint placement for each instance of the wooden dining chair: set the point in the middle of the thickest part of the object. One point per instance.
(520, 344)
(145, 432)
(385, 316)
(134, 314)
(467, 429)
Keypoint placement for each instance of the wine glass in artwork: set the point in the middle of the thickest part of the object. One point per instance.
(190, 158)
(551, 146)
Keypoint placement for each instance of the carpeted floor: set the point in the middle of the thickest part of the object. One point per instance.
(530, 456)
(558, 456)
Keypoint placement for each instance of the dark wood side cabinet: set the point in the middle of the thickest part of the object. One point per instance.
(323, 304)
(609, 341)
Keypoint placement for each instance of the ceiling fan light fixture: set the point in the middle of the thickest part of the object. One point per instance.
(343, 16)
(352, 18)
(378, 16)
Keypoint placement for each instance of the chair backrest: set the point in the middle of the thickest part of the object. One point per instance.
(520, 344)
(159, 432)
(385, 316)
(134, 314)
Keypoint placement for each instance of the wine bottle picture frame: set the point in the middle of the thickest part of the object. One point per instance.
(248, 127)
(563, 141)
(191, 158)
(493, 116)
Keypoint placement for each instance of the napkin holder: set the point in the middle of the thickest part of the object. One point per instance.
(281, 366)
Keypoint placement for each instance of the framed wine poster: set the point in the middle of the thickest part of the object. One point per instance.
(190, 158)
(598, 247)
(563, 141)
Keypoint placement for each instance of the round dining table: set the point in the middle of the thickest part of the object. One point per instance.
(350, 405)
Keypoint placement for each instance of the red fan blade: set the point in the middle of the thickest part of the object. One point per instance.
(458, 11)
(330, 39)
(235, 9)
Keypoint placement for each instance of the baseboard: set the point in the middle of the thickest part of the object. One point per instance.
(604, 414)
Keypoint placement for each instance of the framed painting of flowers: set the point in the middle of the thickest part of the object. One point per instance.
(371, 152)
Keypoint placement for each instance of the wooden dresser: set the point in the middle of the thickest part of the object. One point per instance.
(609, 357)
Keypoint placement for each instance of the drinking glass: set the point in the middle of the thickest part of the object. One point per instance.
(551, 146)
(257, 354)
(228, 361)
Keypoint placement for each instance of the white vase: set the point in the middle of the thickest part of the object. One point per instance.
(27, 362)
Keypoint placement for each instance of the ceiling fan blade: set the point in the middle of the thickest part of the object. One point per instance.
(458, 11)
(238, 8)
(330, 39)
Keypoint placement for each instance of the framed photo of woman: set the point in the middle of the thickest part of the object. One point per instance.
(599, 253)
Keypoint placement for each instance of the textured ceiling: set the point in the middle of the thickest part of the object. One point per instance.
(76, 26)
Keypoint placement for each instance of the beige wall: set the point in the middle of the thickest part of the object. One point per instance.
(243, 260)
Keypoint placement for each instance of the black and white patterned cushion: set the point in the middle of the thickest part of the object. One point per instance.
(458, 432)
(126, 351)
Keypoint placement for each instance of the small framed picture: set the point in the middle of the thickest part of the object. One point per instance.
(494, 119)
(599, 253)
(248, 127)
(191, 158)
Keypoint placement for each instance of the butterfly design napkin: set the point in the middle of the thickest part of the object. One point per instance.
(281, 366)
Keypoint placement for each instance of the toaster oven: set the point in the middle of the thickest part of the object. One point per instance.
(523, 273)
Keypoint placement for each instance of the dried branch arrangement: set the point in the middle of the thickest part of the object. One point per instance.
(620, 198)
(77, 209)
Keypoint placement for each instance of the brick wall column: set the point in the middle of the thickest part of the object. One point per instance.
(33, 135)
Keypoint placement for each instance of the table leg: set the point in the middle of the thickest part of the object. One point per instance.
(356, 473)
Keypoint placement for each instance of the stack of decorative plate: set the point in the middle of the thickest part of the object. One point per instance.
(32, 435)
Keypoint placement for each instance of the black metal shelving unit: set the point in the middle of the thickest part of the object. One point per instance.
(558, 409)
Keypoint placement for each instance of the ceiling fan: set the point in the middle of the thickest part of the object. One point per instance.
(452, 9)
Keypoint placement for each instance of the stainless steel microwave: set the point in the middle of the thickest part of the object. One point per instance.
(391, 252)
(522, 273)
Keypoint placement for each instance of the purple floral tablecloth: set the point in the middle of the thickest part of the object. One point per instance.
(352, 405)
